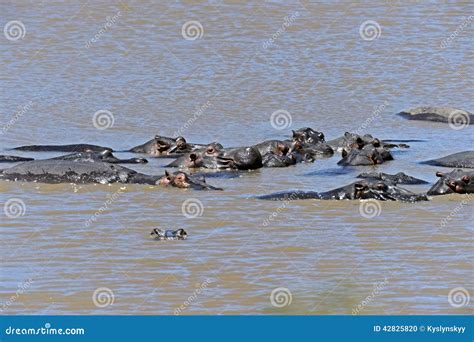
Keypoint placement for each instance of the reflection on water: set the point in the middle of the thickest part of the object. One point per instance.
(221, 79)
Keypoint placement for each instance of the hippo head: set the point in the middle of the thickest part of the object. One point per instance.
(166, 145)
(308, 135)
(457, 181)
(383, 191)
(160, 234)
(184, 181)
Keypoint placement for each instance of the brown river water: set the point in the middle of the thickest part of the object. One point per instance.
(217, 71)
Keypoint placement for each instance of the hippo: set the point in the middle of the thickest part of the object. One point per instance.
(307, 135)
(85, 172)
(160, 234)
(457, 181)
(364, 189)
(165, 146)
(458, 160)
(399, 178)
(350, 141)
(368, 155)
(185, 181)
(272, 159)
(13, 159)
(439, 114)
(311, 143)
(69, 171)
(214, 156)
(105, 156)
(63, 148)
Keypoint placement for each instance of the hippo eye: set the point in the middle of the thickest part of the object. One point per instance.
(210, 150)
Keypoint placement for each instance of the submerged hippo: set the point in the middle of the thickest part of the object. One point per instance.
(13, 159)
(279, 153)
(350, 141)
(459, 160)
(105, 156)
(80, 172)
(399, 178)
(160, 234)
(165, 146)
(311, 143)
(364, 189)
(367, 155)
(63, 148)
(84, 172)
(439, 114)
(185, 181)
(214, 156)
(457, 181)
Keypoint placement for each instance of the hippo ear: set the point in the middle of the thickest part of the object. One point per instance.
(347, 135)
(167, 174)
(344, 153)
(439, 174)
(466, 179)
(294, 133)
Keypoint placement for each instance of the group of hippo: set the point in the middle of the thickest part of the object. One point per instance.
(96, 164)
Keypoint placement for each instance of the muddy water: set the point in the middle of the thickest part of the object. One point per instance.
(247, 62)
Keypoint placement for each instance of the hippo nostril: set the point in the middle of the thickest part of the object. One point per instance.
(193, 156)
